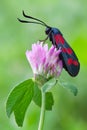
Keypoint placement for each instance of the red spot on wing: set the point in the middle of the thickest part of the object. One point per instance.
(67, 50)
(59, 39)
(71, 61)
(75, 62)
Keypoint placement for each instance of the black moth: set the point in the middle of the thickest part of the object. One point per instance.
(68, 56)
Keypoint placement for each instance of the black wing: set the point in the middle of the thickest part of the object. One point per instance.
(68, 56)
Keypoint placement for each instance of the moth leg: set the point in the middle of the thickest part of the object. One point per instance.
(44, 40)
(48, 36)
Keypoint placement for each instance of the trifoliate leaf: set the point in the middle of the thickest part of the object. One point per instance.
(19, 100)
(37, 98)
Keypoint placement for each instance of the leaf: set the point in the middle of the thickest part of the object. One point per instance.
(49, 101)
(19, 99)
(37, 98)
(71, 87)
(49, 84)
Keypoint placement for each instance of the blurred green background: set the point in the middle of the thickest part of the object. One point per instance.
(70, 16)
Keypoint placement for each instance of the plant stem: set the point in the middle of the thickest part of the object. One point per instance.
(42, 114)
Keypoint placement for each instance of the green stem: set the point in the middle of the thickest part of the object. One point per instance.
(42, 115)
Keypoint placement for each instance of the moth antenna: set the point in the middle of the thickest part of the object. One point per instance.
(34, 18)
(24, 21)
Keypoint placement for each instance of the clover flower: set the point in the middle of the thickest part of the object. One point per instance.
(45, 61)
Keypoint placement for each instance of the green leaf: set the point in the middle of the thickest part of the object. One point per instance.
(49, 84)
(49, 101)
(71, 87)
(37, 98)
(19, 100)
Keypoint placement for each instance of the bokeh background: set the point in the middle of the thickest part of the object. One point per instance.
(70, 16)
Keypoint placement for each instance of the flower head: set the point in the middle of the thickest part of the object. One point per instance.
(45, 61)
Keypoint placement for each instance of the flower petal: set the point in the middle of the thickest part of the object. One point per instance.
(44, 61)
